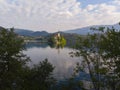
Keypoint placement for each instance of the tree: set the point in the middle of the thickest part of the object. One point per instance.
(101, 57)
(14, 71)
(63, 41)
(39, 77)
(12, 60)
(110, 46)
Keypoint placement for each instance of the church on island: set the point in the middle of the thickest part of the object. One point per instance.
(57, 38)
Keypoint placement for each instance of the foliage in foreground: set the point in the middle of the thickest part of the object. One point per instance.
(101, 58)
(14, 71)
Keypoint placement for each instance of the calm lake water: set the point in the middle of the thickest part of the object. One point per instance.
(59, 57)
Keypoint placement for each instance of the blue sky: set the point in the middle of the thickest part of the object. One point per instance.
(56, 15)
(86, 2)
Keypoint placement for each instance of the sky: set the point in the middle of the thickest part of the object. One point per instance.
(58, 15)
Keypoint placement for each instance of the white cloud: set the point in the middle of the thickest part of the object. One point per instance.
(54, 15)
(116, 2)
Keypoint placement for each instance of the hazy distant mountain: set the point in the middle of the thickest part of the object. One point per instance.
(86, 30)
(81, 31)
(38, 33)
(1, 28)
(25, 32)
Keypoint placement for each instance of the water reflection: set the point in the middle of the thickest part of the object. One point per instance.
(58, 47)
(58, 56)
(35, 44)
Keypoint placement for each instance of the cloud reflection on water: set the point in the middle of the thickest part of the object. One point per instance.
(60, 58)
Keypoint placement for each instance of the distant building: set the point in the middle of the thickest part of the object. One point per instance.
(57, 38)
(58, 34)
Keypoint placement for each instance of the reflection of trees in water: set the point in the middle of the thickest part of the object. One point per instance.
(36, 44)
(57, 46)
(44, 45)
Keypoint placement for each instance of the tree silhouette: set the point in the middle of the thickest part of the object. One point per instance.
(12, 60)
(101, 58)
(14, 71)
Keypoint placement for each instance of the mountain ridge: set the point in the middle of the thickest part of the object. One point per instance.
(86, 30)
(25, 32)
(79, 31)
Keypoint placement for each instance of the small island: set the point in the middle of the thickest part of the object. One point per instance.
(58, 40)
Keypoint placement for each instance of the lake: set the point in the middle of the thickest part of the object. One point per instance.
(58, 57)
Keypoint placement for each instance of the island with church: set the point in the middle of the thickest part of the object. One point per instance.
(57, 39)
